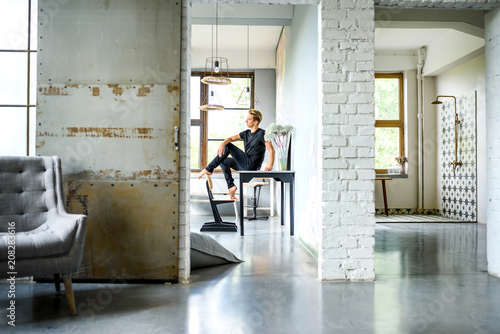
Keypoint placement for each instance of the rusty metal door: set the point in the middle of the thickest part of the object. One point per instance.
(108, 105)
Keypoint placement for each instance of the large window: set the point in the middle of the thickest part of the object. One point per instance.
(18, 44)
(389, 120)
(210, 128)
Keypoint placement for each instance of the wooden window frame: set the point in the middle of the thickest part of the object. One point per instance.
(202, 121)
(400, 123)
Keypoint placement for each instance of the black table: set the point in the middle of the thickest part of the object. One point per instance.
(282, 176)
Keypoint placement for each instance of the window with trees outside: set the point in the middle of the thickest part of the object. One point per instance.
(389, 120)
(210, 128)
(18, 44)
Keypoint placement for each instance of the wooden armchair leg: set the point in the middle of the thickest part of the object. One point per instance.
(69, 292)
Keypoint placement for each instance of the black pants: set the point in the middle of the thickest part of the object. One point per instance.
(239, 161)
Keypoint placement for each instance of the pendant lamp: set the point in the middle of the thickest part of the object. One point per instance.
(216, 68)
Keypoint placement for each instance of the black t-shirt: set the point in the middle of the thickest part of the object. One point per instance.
(255, 145)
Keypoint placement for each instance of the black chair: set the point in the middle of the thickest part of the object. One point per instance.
(218, 225)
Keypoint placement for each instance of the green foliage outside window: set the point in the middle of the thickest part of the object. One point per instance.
(386, 109)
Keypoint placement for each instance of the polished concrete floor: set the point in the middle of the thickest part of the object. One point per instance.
(430, 278)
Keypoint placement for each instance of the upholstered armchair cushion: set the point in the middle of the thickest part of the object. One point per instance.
(54, 238)
(48, 240)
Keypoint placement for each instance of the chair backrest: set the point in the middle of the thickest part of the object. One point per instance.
(30, 191)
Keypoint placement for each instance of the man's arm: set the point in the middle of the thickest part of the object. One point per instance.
(270, 148)
(226, 141)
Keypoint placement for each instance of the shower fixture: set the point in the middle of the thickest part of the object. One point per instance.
(454, 163)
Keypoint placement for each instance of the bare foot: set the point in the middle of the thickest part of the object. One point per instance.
(203, 172)
(232, 192)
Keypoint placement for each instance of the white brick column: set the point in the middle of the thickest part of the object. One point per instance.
(492, 51)
(348, 119)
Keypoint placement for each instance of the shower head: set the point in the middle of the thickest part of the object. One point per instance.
(436, 102)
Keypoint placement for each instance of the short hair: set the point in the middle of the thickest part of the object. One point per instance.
(257, 115)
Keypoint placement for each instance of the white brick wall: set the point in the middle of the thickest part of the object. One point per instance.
(348, 146)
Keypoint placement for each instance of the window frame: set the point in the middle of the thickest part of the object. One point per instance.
(202, 122)
(32, 23)
(400, 123)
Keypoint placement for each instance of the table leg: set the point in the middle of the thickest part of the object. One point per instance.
(291, 207)
(385, 198)
(282, 203)
(242, 227)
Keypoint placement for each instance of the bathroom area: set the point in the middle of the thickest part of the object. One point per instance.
(441, 172)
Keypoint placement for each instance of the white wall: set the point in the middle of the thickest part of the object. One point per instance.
(462, 79)
(300, 109)
(492, 20)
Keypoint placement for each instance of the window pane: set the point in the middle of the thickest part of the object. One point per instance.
(195, 97)
(386, 147)
(33, 77)
(13, 80)
(13, 131)
(226, 123)
(34, 25)
(235, 95)
(14, 24)
(195, 147)
(32, 131)
(387, 99)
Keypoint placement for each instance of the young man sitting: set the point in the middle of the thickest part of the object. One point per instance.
(251, 159)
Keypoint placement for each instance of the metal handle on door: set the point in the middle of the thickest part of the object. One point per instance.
(176, 138)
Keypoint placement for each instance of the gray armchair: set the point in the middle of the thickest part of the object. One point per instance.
(48, 241)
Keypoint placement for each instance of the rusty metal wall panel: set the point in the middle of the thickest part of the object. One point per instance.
(105, 41)
(110, 131)
(108, 105)
(123, 220)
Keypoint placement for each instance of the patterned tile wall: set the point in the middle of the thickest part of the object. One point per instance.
(459, 194)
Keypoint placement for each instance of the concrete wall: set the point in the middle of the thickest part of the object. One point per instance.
(300, 109)
(493, 139)
(465, 78)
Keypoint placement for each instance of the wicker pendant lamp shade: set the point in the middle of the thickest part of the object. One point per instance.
(216, 71)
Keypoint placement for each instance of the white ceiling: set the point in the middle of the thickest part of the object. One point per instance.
(410, 39)
(397, 38)
(235, 37)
